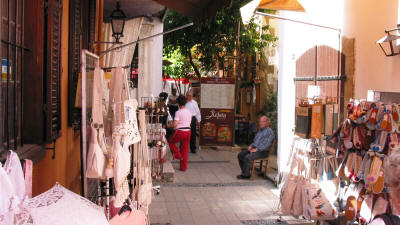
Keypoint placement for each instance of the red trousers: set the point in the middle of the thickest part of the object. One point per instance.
(183, 137)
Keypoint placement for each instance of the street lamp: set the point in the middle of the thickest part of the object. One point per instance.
(388, 42)
(117, 23)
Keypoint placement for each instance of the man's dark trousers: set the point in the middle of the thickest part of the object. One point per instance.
(193, 135)
(246, 159)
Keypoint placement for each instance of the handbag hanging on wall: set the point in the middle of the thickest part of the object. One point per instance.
(96, 159)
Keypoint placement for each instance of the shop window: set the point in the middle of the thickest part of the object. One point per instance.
(31, 68)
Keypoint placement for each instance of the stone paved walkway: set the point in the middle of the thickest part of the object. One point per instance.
(209, 193)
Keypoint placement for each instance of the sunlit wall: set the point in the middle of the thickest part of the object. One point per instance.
(294, 40)
(366, 21)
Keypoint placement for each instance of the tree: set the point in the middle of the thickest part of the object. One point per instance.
(179, 68)
(215, 39)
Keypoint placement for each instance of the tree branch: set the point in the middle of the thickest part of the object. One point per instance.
(196, 70)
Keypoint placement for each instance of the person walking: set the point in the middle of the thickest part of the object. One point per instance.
(258, 149)
(181, 123)
(193, 107)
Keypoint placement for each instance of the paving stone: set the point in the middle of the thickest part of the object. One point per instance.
(208, 193)
(168, 171)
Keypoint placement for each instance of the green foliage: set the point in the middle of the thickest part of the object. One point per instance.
(270, 109)
(215, 39)
(179, 67)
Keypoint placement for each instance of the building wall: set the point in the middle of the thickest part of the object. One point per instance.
(294, 40)
(365, 21)
(65, 168)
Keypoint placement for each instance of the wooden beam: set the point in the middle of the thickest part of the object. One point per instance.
(99, 27)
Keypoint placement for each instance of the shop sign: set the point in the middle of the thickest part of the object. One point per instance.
(217, 127)
(217, 111)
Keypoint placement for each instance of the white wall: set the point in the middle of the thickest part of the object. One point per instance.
(150, 59)
(366, 21)
(294, 40)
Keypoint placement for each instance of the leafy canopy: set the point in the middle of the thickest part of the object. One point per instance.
(215, 39)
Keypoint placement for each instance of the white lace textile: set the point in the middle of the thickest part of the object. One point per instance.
(59, 206)
(12, 188)
(16, 175)
(6, 194)
(122, 167)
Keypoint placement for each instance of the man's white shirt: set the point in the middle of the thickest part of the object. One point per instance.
(193, 108)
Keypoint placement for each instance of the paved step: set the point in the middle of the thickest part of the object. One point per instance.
(168, 172)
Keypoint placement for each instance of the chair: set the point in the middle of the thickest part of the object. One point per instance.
(260, 161)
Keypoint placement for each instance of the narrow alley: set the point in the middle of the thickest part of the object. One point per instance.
(209, 193)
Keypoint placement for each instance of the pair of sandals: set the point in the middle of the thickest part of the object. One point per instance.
(384, 119)
(354, 197)
(351, 166)
(356, 137)
(373, 173)
(396, 118)
(346, 133)
(358, 113)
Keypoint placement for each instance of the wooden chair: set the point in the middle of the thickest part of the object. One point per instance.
(260, 161)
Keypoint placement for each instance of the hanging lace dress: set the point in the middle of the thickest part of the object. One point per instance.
(124, 132)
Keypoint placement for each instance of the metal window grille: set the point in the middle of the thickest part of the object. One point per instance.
(12, 52)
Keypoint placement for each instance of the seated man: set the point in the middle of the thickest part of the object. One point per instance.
(258, 149)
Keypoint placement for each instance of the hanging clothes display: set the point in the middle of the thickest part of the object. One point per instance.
(96, 158)
(124, 130)
(144, 192)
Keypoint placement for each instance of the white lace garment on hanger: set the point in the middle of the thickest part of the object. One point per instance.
(59, 206)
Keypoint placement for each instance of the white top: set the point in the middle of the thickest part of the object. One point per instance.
(193, 108)
(184, 117)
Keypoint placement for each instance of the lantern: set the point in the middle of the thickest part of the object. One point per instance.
(117, 23)
(388, 43)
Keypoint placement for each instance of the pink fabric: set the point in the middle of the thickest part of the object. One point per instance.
(28, 165)
(15, 174)
(184, 117)
(136, 217)
(184, 138)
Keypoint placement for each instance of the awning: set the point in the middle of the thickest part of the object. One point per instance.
(197, 10)
(291, 5)
(250, 8)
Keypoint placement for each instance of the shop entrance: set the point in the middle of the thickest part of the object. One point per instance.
(321, 66)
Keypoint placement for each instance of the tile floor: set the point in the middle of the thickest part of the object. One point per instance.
(209, 193)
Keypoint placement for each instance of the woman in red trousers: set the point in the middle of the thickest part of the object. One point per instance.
(181, 124)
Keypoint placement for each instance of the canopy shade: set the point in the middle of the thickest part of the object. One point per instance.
(250, 8)
(197, 10)
(291, 5)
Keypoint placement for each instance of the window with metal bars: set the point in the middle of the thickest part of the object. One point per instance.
(30, 107)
